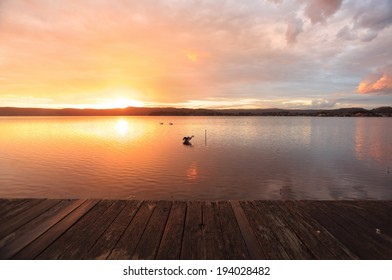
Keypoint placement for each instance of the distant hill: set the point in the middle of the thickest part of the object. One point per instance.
(383, 110)
(136, 111)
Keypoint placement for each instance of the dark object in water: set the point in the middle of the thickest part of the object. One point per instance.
(186, 140)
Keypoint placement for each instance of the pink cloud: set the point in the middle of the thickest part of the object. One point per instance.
(320, 10)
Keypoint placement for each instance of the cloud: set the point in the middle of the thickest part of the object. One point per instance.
(371, 18)
(375, 15)
(294, 27)
(23, 101)
(91, 46)
(173, 51)
(319, 103)
(320, 10)
(323, 104)
(368, 35)
(380, 82)
(346, 34)
(350, 34)
(368, 19)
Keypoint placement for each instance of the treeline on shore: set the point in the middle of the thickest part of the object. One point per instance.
(147, 111)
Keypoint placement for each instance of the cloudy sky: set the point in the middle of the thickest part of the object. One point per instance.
(211, 54)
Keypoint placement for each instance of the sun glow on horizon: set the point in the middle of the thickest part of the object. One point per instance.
(119, 103)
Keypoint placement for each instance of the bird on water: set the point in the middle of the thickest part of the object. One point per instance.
(186, 140)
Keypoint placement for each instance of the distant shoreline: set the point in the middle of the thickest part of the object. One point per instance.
(147, 111)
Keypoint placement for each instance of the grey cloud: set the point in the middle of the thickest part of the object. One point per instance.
(314, 104)
(365, 101)
(369, 18)
(294, 27)
(368, 36)
(375, 15)
(346, 33)
(350, 34)
(372, 18)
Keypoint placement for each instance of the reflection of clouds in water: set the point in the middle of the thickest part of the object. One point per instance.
(192, 172)
(370, 142)
(279, 188)
(347, 191)
(286, 192)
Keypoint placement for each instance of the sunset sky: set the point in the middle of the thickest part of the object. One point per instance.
(210, 54)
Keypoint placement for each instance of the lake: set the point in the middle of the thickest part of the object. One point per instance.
(230, 158)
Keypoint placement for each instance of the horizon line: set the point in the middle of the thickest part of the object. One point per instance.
(189, 108)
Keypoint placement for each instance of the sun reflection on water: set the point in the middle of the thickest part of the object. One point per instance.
(122, 127)
(247, 158)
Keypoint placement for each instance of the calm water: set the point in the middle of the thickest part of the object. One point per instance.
(241, 157)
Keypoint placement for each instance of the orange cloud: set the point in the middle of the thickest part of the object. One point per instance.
(382, 84)
(88, 53)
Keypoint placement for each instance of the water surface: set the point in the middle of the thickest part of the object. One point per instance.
(231, 157)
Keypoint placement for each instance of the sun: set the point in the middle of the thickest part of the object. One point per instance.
(192, 57)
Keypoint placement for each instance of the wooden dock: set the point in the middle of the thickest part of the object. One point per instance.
(133, 229)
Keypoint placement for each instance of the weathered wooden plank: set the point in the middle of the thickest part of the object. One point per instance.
(101, 226)
(7, 201)
(11, 225)
(18, 239)
(17, 207)
(6, 205)
(378, 207)
(51, 229)
(373, 215)
(362, 226)
(193, 246)
(148, 245)
(368, 225)
(293, 245)
(79, 238)
(378, 214)
(316, 238)
(212, 232)
(170, 246)
(102, 249)
(347, 232)
(126, 245)
(270, 245)
(32, 250)
(255, 252)
(235, 246)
